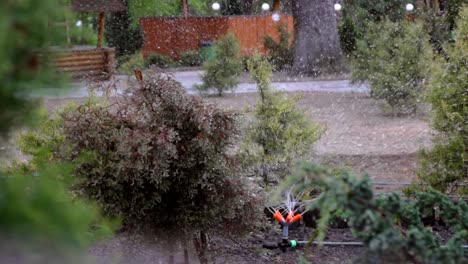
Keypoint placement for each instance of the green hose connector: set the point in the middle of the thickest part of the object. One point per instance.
(293, 243)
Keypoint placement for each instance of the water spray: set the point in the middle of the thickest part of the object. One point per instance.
(290, 207)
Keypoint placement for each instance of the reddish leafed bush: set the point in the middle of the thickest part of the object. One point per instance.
(159, 158)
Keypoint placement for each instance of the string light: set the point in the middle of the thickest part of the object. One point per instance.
(216, 6)
(265, 7)
(337, 7)
(409, 7)
(276, 17)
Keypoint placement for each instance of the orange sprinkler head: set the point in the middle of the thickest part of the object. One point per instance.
(279, 217)
(296, 218)
(289, 217)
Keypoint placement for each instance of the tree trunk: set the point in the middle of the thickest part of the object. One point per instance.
(200, 241)
(184, 8)
(102, 19)
(317, 47)
(276, 5)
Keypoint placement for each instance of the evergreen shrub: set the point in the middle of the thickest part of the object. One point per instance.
(190, 59)
(446, 164)
(222, 73)
(281, 53)
(393, 58)
(280, 132)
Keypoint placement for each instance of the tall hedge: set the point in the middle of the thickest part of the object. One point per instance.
(446, 163)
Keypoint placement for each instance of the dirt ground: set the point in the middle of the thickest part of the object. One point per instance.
(358, 135)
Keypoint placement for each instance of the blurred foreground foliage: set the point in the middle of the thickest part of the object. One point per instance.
(445, 166)
(36, 207)
(23, 33)
(390, 227)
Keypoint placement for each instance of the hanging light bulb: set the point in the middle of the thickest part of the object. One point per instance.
(409, 7)
(265, 6)
(216, 6)
(79, 23)
(337, 7)
(276, 17)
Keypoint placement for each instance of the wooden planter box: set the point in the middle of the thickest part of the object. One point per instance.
(84, 62)
(172, 36)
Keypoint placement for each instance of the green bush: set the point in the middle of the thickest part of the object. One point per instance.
(347, 33)
(191, 58)
(122, 33)
(280, 53)
(159, 60)
(438, 29)
(453, 11)
(393, 58)
(446, 163)
(390, 227)
(280, 132)
(129, 62)
(223, 73)
(359, 14)
(83, 35)
(363, 12)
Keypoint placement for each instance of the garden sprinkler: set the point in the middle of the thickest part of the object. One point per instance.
(291, 217)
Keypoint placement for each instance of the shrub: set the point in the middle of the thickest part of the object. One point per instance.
(122, 33)
(159, 60)
(392, 57)
(223, 73)
(390, 227)
(347, 34)
(191, 58)
(438, 29)
(358, 15)
(159, 160)
(280, 132)
(362, 12)
(281, 52)
(453, 11)
(129, 62)
(445, 164)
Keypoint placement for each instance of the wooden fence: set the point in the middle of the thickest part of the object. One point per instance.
(85, 62)
(172, 36)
